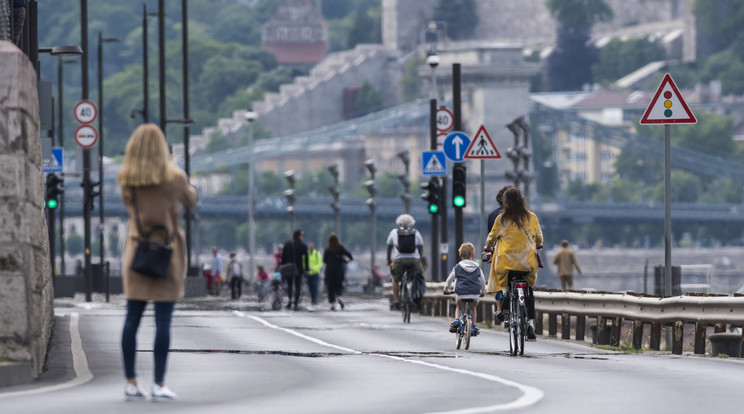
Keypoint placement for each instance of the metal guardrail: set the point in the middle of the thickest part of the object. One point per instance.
(574, 308)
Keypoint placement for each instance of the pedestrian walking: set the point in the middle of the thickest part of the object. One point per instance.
(217, 276)
(235, 276)
(152, 189)
(262, 282)
(565, 259)
(335, 257)
(295, 251)
(315, 263)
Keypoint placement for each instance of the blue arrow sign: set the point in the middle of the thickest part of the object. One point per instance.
(54, 164)
(455, 144)
(433, 163)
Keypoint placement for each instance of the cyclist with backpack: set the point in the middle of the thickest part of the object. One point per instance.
(405, 248)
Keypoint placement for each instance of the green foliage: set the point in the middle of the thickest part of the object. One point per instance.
(546, 169)
(686, 188)
(411, 85)
(580, 13)
(728, 69)
(367, 100)
(461, 17)
(74, 244)
(619, 58)
(569, 66)
(113, 243)
(353, 22)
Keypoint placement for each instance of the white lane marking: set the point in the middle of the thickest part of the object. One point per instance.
(530, 395)
(79, 363)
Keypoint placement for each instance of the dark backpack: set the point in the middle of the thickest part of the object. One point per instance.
(406, 240)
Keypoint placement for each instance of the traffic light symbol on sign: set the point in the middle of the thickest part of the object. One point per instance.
(459, 173)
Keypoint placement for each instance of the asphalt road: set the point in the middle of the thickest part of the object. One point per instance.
(361, 360)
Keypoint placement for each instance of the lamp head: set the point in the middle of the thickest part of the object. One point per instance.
(250, 116)
(432, 61)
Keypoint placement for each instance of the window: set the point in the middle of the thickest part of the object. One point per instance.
(307, 33)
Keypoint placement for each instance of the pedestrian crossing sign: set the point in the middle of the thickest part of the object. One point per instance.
(672, 109)
(434, 163)
(482, 146)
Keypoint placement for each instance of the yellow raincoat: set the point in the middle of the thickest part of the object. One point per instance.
(514, 251)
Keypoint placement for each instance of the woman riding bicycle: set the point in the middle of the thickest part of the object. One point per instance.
(518, 234)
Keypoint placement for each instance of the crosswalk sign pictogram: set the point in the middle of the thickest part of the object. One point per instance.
(671, 109)
(482, 147)
(433, 163)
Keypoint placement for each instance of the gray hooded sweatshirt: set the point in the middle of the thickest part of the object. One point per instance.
(468, 280)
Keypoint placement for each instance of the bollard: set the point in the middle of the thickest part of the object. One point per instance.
(725, 343)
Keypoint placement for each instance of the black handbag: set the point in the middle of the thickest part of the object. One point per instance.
(289, 270)
(151, 258)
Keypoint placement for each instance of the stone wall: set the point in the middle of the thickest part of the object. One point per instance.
(26, 292)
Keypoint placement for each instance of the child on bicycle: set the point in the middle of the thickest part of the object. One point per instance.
(469, 283)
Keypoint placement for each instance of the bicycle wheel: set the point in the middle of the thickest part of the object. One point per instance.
(458, 336)
(522, 329)
(513, 327)
(468, 332)
(405, 301)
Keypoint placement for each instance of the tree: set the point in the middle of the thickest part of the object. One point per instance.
(569, 66)
(621, 57)
(74, 244)
(411, 86)
(461, 17)
(728, 69)
(367, 100)
(365, 28)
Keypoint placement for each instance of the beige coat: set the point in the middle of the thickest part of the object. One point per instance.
(161, 205)
(565, 259)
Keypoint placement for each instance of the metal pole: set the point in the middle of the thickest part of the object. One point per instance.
(161, 59)
(667, 210)
(87, 188)
(100, 155)
(61, 133)
(187, 128)
(372, 244)
(434, 218)
(252, 202)
(482, 239)
(457, 115)
(145, 64)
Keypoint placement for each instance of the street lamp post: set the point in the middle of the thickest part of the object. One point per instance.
(87, 185)
(61, 131)
(406, 181)
(251, 116)
(101, 41)
(289, 194)
(145, 111)
(333, 169)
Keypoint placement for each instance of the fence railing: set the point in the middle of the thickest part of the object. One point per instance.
(609, 311)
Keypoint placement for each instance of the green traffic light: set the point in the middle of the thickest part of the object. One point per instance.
(433, 208)
(52, 203)
(458, 201)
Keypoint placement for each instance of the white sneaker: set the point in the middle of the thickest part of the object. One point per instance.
(162, 394)
(134, 393)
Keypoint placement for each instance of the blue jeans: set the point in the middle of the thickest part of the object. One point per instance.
(163, 313)
(312, 285)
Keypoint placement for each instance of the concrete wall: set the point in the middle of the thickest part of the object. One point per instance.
(26, 311)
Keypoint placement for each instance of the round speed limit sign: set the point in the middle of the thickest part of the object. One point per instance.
(85, 112)
(445, 120)
(86, 136)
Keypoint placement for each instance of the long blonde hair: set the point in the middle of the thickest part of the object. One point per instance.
(146, 159)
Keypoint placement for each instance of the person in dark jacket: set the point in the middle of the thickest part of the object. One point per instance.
(335, 258)
(295, 251)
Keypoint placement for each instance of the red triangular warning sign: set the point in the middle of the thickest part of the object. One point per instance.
(671, 109)
(481, 146)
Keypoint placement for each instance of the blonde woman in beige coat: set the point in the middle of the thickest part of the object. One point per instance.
(153, 189)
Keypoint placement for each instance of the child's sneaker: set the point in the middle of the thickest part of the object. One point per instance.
(133, 393)
(454, 326)
(475, 331)
(499, 316)
(162, 394)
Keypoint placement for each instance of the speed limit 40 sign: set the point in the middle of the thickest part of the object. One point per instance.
(85, 112)
(445, 120)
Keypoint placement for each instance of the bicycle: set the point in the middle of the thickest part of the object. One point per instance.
(409, 292)
(465, 330)
(516, 316)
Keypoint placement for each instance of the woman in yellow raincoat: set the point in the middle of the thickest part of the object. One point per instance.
(516, 233)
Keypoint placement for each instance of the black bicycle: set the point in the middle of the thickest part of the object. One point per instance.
(516, 316)
(410, 292)
(465, 330)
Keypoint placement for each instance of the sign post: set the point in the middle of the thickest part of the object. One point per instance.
(671, 109)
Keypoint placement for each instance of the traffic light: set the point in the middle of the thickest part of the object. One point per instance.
(431, 194)
(459, 173)
(53, 191)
